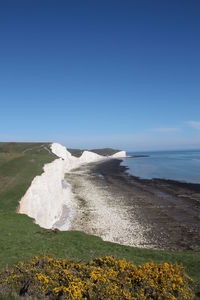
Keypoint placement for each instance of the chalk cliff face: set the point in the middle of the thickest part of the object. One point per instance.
(49, 192)
(45, 197)
(73, 162)
(119, 154)
(61, 151)
(88, 157)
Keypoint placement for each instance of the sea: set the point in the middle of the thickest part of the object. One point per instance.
(181, 166)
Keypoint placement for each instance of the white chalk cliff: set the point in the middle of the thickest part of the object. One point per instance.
(49, 192)
(119, 154)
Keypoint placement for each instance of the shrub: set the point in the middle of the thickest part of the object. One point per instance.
(102, 278)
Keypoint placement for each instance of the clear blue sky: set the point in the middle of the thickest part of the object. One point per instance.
(98, 73)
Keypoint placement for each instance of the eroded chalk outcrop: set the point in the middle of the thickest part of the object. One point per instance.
(45, 197)
(120, 154)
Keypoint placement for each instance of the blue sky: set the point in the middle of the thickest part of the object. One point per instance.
(88, 74)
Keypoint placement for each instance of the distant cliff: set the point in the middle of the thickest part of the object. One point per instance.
(102, 151)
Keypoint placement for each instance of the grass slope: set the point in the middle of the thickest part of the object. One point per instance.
(20, 238)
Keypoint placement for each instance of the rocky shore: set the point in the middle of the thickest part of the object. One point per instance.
(159, 214)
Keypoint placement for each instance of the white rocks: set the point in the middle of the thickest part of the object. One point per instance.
(104, 213)
(49, 192)
(45, 197)
(120, 154)
(89, 156)
(73, 162)
(61, 151)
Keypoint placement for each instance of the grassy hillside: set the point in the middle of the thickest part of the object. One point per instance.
(20, 238)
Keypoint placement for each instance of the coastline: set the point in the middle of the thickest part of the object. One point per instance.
(49, 200)
(172, 185)
(178, 166)
(159, 214)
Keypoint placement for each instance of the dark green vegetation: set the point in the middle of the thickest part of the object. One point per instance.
(75, 152)
(21, 239)
(105, 151)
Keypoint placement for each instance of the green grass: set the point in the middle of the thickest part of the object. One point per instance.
(21, 239)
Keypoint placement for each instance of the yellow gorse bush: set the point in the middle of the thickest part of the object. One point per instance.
(103, 278)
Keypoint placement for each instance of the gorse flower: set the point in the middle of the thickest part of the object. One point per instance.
(102, 278)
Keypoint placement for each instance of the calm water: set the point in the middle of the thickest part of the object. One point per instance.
(176, 165)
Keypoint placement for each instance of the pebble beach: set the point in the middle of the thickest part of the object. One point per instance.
(124, 209)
